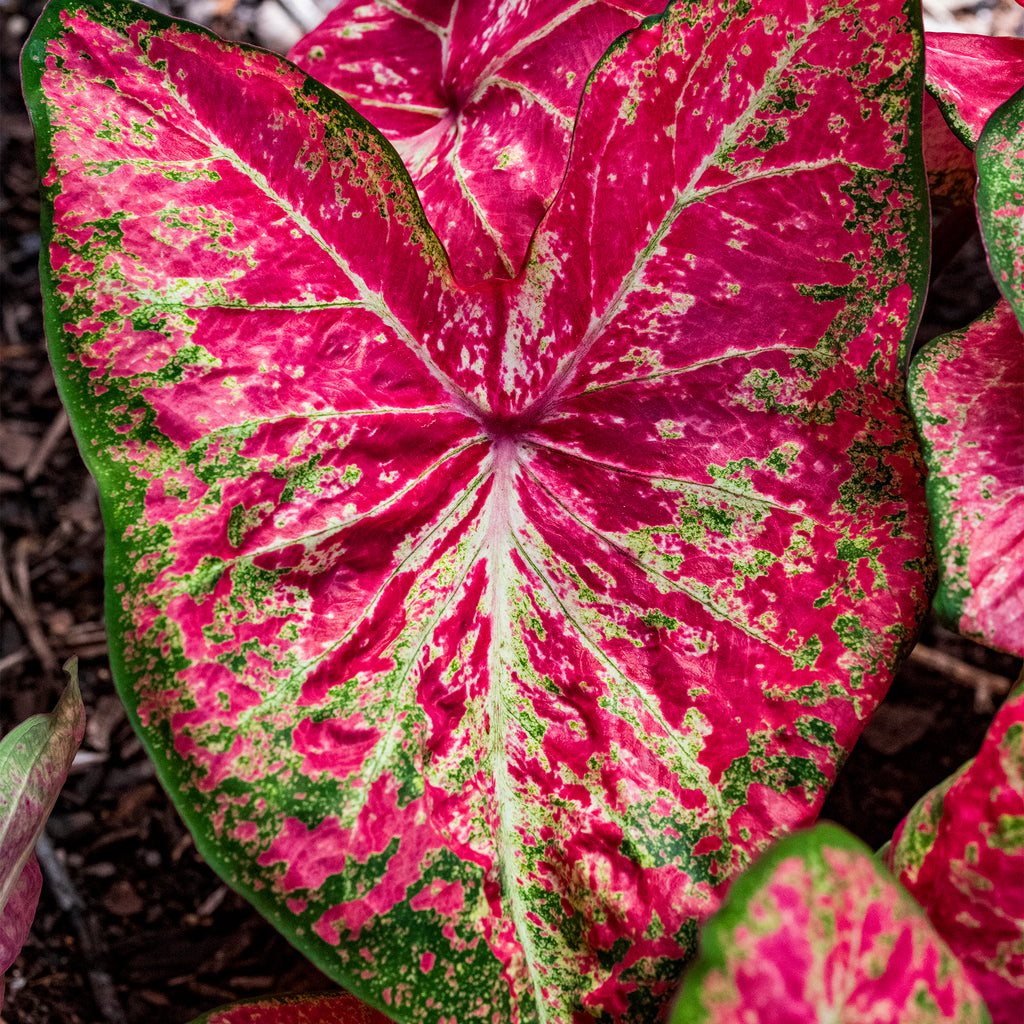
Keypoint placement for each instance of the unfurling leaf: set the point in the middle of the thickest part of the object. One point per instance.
(478, 98)
(482, 634)
(960, 852)
(965, 391)
(816, 931)
(34, 760)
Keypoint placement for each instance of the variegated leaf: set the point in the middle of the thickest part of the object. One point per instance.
(815, 931)
(960, 852)
(952, 175)
(34, 761)
(967, 394)
(1000, 157)
(482, 634)
(479, 100)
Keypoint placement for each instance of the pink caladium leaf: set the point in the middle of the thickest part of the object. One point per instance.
(817, 931)
(34, 760)
(483, 633)
(952, 175)
(479, 100)
(966, 390)
(970, 76)
(960, 852)
(316, 1008)
(1000, 157)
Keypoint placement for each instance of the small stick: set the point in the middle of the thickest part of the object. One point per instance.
(23, 608)
(983, 682)
(54, 432)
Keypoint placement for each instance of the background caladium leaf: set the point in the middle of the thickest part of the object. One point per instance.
(483, 634)
(960, 852)
(970, 76)
(965, 392)
(952, 175)
(967, 78)
(318, 1008)
(817, 931)
(479, 100)
(1000, 157)
(34, 760)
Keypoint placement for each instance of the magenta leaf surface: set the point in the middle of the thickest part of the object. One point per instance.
(483, 634)
(966, 391)
(1000, 157)
(318, 1008)
(817, 931)
(479, 100)
(960, 852)
(970, 76)
(34, 760)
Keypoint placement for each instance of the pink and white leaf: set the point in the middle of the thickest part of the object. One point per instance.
(960, 852)
(966, 390)
(34, 760)
(484, 633)
(479, 100)
(817, 931)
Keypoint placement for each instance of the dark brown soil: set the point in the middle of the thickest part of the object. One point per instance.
(141, 930)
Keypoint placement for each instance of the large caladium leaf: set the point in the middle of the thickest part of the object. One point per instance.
(974, 448)
(318, 1008)
(960, 852)
(34, 760)
(482, 634)
(479, 100)
(817, 931)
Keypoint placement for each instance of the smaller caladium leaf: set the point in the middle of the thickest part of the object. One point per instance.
(817, 931)
(34, 761)
(969, 76)
(315, 1008)
(975, 455)
(479, 100)
(949, 164)
(960, 852)
(1000, 156)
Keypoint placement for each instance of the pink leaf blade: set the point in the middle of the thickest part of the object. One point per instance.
(449, 678)
(965, 391)
(815, 930)
(970, 76)
(960, 853)
(479, 99)
(736, 190)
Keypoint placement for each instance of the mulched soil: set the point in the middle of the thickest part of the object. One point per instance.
(133, 927)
